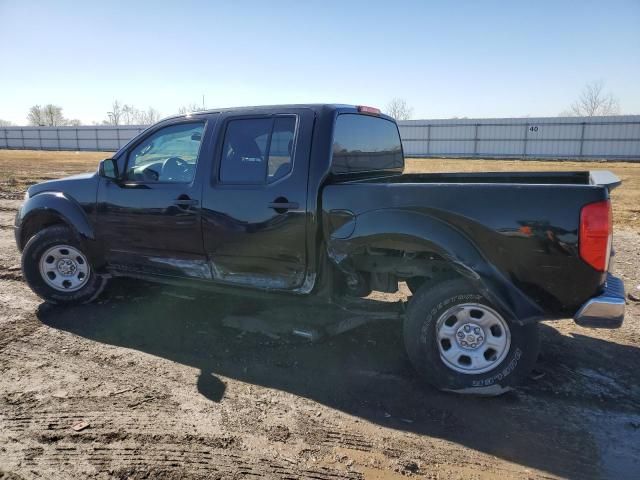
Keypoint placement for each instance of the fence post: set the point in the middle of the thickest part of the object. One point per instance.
(428, 139)
(475, 141)
(582, 138)
(118, 136)
(58, 137)
(22, 136)
(526, 137)
(39, 138)
(97, 144)
(6, 138)
(77, 139)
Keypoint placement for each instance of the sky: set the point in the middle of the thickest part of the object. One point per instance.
(447, 59)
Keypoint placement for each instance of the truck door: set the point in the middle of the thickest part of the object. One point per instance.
(149, 220)
(254, 209)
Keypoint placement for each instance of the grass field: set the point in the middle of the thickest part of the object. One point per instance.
(626, 198)
(20, 168)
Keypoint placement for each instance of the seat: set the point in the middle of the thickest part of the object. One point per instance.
(285, 167)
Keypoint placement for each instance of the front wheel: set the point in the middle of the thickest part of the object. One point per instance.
(458, 341)
(56, 268)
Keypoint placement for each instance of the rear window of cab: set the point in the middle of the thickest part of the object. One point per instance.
(364, 143)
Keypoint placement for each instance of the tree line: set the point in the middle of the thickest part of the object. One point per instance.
(51, 115)
(592, 101)
(125, 114)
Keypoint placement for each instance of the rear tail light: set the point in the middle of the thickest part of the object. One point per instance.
(595, 234)
(369, 110)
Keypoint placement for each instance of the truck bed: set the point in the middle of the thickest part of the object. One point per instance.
(594, 177)
(526, 225)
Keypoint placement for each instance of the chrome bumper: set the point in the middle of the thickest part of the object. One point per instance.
(605, 310)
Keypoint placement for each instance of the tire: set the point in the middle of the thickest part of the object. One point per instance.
(499, 353)
(54, 250)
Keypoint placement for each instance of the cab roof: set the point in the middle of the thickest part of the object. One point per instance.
(316, 107)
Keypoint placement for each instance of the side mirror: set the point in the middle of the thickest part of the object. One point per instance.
(108, 169)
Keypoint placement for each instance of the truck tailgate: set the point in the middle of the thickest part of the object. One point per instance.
(604, 178)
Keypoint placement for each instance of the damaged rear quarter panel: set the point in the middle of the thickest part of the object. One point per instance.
(516, 243)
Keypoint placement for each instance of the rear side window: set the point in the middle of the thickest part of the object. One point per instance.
(257, 150)
(364, 143)
(281, 149)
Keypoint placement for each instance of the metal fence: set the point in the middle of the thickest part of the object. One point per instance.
(98, 138)
(616, 137)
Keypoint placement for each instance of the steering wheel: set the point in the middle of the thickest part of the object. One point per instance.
(175, 169)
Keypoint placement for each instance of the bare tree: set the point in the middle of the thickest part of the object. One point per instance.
(5, 123)
(594, 101)
(74, 122)
(114, 116)
(191, 108)
(49, 116)
(53, 115)
(399, 109)
(151, 115)
(126, 114)
(139, 117)
(35, 116)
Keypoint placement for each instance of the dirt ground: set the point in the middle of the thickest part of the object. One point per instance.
(169, 391)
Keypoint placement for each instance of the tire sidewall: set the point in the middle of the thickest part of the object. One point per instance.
(427, 307)
(31, 255)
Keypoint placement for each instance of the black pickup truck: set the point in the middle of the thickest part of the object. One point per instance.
(311, 200)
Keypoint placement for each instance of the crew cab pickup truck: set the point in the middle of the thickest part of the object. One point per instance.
(311, 200)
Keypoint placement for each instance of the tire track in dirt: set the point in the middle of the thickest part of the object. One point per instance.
(330, 435)
(10, 273)
(182, 462)
(22, 327)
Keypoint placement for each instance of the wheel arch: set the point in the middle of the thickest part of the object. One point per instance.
(55, 208)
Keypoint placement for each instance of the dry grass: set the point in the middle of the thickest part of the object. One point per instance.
(626, 198)
(43, 163)
(20, 168)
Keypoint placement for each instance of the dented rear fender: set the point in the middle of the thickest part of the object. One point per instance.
(419, 232)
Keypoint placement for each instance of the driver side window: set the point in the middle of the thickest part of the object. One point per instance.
(169, 155)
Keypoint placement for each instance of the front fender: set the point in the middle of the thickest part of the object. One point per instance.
(412, 231)
(41, 209)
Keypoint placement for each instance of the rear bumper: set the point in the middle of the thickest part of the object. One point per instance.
(607, 309)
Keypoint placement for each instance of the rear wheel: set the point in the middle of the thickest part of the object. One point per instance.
(56, 268)
(458, 341)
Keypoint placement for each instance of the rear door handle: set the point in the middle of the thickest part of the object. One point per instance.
(284, 205)
(185, 202)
